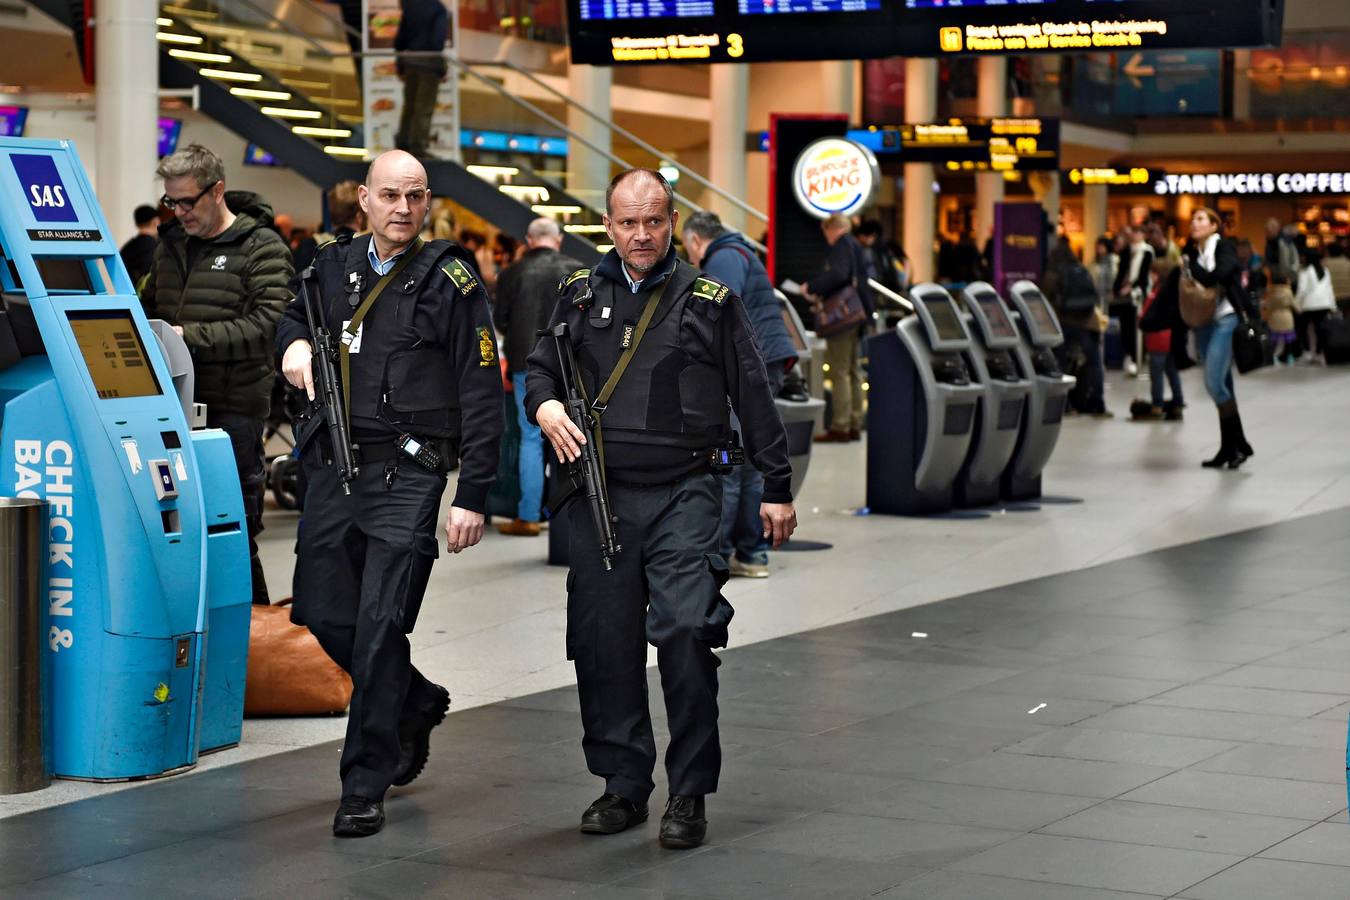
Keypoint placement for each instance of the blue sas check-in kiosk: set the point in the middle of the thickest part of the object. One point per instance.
(147, 582)
(1041, 333)
(994, 340)
(921, 407)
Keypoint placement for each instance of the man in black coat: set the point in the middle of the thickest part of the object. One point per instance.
(526, 292)
(422, 30)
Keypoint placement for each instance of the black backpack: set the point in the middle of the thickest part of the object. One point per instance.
(1077, 291)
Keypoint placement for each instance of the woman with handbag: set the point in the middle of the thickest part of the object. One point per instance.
(843, 306)
(1211, 281)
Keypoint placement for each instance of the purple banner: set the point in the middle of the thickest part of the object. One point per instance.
(1019, 243)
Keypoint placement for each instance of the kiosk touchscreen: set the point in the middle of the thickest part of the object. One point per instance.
(994, 340)
(921, 407)
(91, 422)
(1040, 332)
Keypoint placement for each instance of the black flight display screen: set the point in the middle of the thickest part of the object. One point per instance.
(945, 320)
(611, 32)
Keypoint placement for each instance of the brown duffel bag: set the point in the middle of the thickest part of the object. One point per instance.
(1197, 302)
(289, 674)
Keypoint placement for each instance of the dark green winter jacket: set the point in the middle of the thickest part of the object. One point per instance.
(228, 303)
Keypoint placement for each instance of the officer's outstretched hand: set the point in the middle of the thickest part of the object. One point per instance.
(557, 426)
(780, 520)
(297, 366)
(463, 528)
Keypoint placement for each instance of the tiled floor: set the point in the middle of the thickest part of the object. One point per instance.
(1165, 725)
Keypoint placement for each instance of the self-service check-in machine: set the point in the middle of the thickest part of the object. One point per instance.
(1049, 392)
(147, 584)
(994, 340)
(921, 407)
(801, 418)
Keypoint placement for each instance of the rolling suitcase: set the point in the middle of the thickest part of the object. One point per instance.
(1338, 341)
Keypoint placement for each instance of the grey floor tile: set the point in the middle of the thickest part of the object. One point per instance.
(1121, 746)
(862, 755)
(1242, 793)
(960, 804)
(1326, 842)
(1170, 826)
(1263, 879)
(1273, 761)
(1044, 774)
(1287, 678)
(1098, 864)
(905, 727)
(410, 878)
(1007, 710)
(949, 885)
(924, 845)
(739, 872)
(1080, 686)
(1257, 701)
(1177, 669)
(1186, 722)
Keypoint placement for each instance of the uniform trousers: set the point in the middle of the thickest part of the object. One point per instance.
(665, 589)
(362, 568)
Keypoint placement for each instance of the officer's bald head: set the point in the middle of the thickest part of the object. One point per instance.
(395, 199)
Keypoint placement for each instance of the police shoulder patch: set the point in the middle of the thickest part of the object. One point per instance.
(487, 348)
(461, 276)
(573, 278)
(581, 295)
(710, 291)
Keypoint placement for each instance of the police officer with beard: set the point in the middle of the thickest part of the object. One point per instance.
(692, 351)
(420, 372)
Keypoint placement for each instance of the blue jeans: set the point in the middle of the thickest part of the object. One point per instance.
(1214, 343)
(742, 492)
(1158, 365)
(531, 465)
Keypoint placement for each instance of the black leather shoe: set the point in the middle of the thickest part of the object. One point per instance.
(684, 825)
(358, 817)
(612, 814)
(414, 738)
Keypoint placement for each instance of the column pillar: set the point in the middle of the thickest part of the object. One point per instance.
(126, 107)
(1242, 85)
(837, 87)
(588, 172)
(1045, 186)
(1094, 218)
(726, 145)
(920, 215)
(992, 102)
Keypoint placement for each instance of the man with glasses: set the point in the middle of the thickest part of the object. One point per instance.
(219, 277)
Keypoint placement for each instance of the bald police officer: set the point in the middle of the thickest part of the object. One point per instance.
(692, 351)
(420, 371)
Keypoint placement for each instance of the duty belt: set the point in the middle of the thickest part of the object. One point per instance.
(385, 450)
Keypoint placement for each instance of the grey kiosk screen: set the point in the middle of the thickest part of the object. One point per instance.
(1000, 325)
(1040, 313)
(113, 354)
(944, 319)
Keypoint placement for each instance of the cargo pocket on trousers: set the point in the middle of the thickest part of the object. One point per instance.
(571, 618)
(425, 550)
(713, 629)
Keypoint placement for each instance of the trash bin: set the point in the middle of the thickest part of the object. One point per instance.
(24, 764)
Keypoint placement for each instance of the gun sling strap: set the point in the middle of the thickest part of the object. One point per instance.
(602, 399)
(353, 327)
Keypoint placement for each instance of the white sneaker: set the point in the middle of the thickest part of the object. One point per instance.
(1131, 370)
(747, 570)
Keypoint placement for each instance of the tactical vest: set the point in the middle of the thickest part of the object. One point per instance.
(673, 393)
(399, 381)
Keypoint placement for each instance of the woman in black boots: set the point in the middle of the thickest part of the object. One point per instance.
(1213, 260)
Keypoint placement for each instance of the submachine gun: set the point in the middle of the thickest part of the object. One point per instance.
(587, 472)
(327, 405)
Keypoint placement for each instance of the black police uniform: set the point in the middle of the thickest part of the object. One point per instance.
(426, 365)
(668, 412)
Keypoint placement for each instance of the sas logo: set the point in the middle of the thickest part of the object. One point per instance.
(42, 187)
(950, 40)
(834, 175)
(218, 264)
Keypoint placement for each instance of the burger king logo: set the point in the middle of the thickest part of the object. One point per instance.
(834, 175)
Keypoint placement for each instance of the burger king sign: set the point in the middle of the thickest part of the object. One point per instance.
(834, 175)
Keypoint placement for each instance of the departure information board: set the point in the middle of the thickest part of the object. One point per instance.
(606, 32)
(756, 7)
(645, 9)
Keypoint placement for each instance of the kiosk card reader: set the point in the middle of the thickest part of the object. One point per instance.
(994, 341)
(921, 407)
(90, 421)
(1049, 392)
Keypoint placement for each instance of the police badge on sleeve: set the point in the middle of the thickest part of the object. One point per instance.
(487, 349)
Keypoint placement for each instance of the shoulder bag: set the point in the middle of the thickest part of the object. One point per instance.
(1197, 302)
(839, 312)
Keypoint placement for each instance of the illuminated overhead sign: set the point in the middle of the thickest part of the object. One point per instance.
(834, 175)
(1112, 176)
(983, 145)
(1255, 183)
(609, 32)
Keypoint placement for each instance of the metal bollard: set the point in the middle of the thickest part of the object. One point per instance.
(24, 762)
